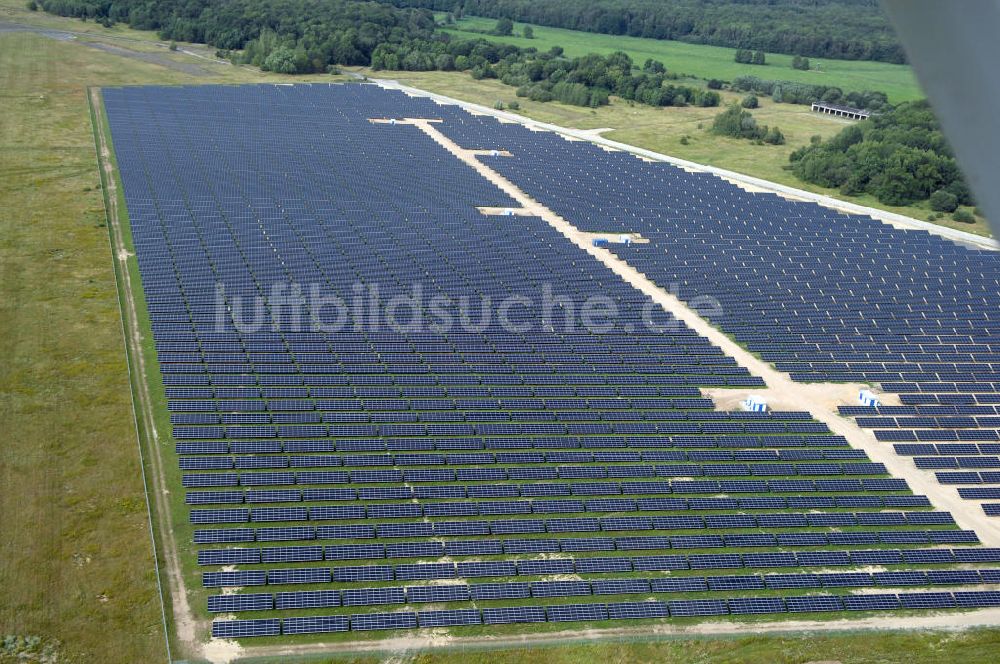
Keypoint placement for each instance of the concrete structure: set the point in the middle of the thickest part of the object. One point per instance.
(866, 398)
(841, 111)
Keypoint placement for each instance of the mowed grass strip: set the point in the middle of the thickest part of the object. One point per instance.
(703, 61)
(975, 646)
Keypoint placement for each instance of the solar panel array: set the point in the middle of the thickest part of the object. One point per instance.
(349, 472)
(823, 295)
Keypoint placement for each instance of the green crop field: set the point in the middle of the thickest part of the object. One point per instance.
(897, 81)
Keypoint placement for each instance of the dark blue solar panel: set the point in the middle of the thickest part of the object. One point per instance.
(697, 607)
(513, 614)
(637, 610)
(307, 599)
(315, 625)
(234, 629)
(811, 603)
(240, 602)
(576, 612)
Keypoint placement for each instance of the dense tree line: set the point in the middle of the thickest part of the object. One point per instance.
(790, 92)
(302, 36)
(583, 81)
(842, 29)
(589, 80)
(899, 156)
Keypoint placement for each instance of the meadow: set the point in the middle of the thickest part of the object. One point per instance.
(76, 560)
(708, 62)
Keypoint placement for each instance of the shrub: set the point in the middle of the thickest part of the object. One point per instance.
(504, 27)
(514, 106)
(750, 101)
(963, 216)
(32, 6)
(774, 137)
(943, 201)
(736, 123)
(715, 84)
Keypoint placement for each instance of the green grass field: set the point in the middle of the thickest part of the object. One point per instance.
(75, 556)
(897, 81)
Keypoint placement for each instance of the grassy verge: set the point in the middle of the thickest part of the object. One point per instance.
(897, 81)
(971, 647)
(75, 553)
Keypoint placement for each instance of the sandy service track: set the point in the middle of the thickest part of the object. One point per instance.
(183, 618)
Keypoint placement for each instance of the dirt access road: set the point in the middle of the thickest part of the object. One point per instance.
(149, 441)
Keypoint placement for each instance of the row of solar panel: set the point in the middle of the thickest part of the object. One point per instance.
(538, 489)
(288, 374)
(598, 612)
(925, 410)
(629, 586)
(234, 556)
(206, 480)
(459, 422)
(514, 442)
(491, 429)
(539, 469)
(726, 521)
(812, 502)
(478, 385)
(971, 462)
(935, 435)
(955, 449)
(220, 461)
(439, 386)
(596, 565)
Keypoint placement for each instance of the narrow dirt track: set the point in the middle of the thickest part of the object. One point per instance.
(184, 621)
